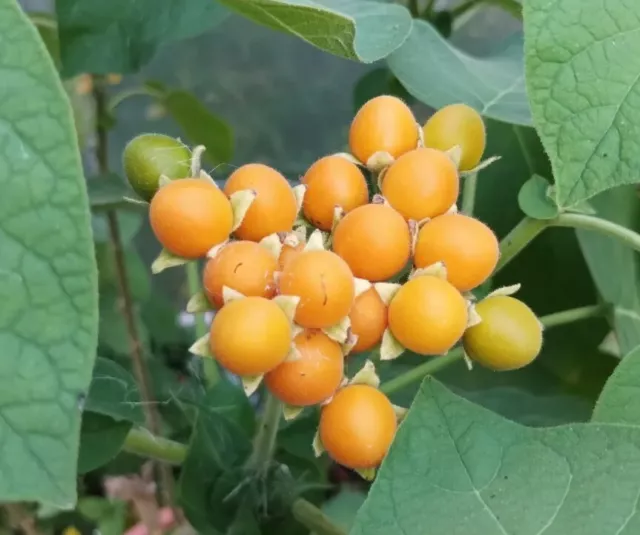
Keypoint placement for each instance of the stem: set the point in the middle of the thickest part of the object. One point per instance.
(141, 442)
(120, 97)
(519, 238)
(461, 9)
(589, 222)
(265, 440)
(152, 416)
(428, 10)
(314, 519)
(574, 314)
(413, 8)
(469, 194)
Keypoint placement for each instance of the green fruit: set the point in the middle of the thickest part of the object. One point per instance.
(508, 337)
(148, 156)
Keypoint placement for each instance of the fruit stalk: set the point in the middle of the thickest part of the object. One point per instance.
(265, 440)
(314, 519)
(469, 194)
(589, 222)
(519, 237)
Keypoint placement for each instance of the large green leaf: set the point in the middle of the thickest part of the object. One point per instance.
(120, 36)
(458, 468)
(582, 65)
(494, 85)
(360, 30)
(614, 266)
(101, 439)
(48, 322)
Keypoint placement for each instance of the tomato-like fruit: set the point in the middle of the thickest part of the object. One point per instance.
(457, 124)
(273, 210)
(148, 156)
(357, 426)
(428, 315)
(190, 216)
(250, 336)
(325, 285)
(468, 248)
(243, 266)
(422, 183)
(383, 124)
(508, 337)
(332, 181)
(314, 376)
(368, 320)
(374, 240)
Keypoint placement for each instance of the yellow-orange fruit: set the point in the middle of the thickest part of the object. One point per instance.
(190, 216)
(383, 124)
(243, 266)
(422, 183)
(368, 320)
(314, 376)
(468, 248)
(374, 240)
(273, 210)
(288, 253)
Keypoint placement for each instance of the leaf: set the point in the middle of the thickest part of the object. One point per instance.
(120, 36)
(48, 322)
(614, 266)
(129, 221)
(534, 200)
(582, 67)
(101, 439)
(110, 516)
(493, 85)
(378, 82)
(342, 507)
(108, 192)
(484, 475)
(48, 29)
(113, 333)
(360, 30)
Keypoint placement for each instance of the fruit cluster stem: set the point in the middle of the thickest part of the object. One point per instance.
(314, 519)
(597, 224)
(265, 440)
(469, 194)
(519, 237)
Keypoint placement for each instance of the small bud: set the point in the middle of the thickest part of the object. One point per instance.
(386, 290)
(201, 347)
(455, 155)
(166, 260)
(379, 160)
(288, 304)
(366, 376)
(290, 412)
(482, 165)
(240, 203)
(229, 294)
(348, 157)
(368, 474)
(505, 290)
(390, 348)
(198, 303)
(251, 383)
(362, 285)
(315, 242)
(340, 331)
(318, 448)
(434, 270)
(299, 192)
(273, 244)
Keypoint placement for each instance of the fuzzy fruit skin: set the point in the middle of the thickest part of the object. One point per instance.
(325, 285)
(357, 426)
(273, 210)
(332, 181)
(468, 248)
(508, 337)
(374, 240)
(368, 320)
(250, 336)
(457, 124)
(314, 377)
(190, 216)
(148, 156)
(421, 184)
(386, 124)
(243, 266)
(428, 315)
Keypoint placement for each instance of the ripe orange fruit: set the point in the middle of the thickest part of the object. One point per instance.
(384, 123)
(422, 183)
(374, 240)
(368, 320)
(508, 337)
(457, 124)
(332, 181)
(190, 216)
(287, 254)
(325, 285)
(428, 315)
(357, 426)
(468, 248)
(250, 336)
(273, 210)
(314, 377)
(243, 266)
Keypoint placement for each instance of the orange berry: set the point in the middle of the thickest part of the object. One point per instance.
(273, 210)
(243, 266)
(190, 216)
(468, 248)
(423, 183)
(287, 254)
(325, 285)
(357, 426)
(314, 377)
(374, 240)
(386, 124)
(428, 315)
(332, 181)
(368, 320)
(250, 336)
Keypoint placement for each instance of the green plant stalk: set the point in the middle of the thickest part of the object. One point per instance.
(314, 519)
(264, 442)
(589, 222)
(519, 237)
(469, 194)
(574, 314)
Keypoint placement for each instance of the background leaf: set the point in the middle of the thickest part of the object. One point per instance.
(48, 323)
(360, 30)
(108, 192)
(101, 439)
(534, 199)
(582, 65)
(494, 85)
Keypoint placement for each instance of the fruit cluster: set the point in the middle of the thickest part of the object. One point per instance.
(301, 277)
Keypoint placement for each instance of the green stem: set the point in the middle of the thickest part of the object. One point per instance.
(469, 194)
(519, 238)
(589, 222)
(574, 314)
(143, 443)
(428, 10)
(462, 8)
(314, 519)
(265, 440)
(125, 94)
